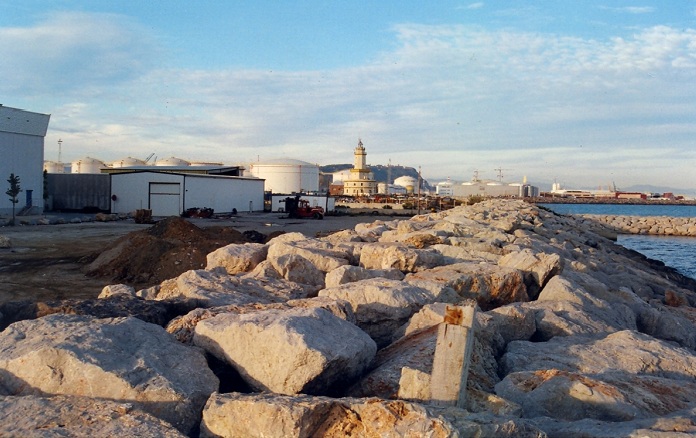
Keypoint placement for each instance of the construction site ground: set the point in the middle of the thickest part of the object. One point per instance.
(52, 262)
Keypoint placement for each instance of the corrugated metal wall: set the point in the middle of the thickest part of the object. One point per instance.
(73, 191)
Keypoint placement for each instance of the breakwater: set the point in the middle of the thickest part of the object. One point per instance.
(650, 225)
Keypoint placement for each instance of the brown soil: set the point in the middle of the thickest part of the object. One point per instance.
(51, 262)
(167, 249)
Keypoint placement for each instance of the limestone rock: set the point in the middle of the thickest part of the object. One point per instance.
(381, 306)
(117, 289)
(182, 327)
(5, 242)
(236, 258)
(31, 416)
(121, 359)
(348, 274)
(119, 305)
(568, 318)
(626, 351)
(295, 268)
(490, 285)
(288, 352)
(319, 253)
(217, 288)
(679, 424)
(540, 266)
(610, 396)
(398, 256)
(271, 415)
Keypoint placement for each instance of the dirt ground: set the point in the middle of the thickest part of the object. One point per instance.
(50, 262)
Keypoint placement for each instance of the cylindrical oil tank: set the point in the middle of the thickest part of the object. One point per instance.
(383, 188)
(286, 176)
(54, 167)
(172, 161)
(87, 165)
(409, 182)
(128, 162)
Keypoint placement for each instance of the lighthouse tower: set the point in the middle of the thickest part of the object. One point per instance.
(361, 181)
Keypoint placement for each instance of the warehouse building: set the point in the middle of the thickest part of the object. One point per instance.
(22, 135)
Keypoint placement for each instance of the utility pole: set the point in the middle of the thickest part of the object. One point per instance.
(419, 189)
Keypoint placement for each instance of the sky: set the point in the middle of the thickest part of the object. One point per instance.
(584, 93)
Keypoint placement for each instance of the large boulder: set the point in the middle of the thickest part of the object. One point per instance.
(490, 285)
(348, 274)
(236, 258)
(398, 256)
(626, 351)
(323, 255)
(288, 351)
(610, 396)
(31, 416)
(539, 266)
(380, 305)
(120, 359)
(272, 415)
(182, 327)
(212, 288)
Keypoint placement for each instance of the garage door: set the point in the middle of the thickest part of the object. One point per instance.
(165, 199)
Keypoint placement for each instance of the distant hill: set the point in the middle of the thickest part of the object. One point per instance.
(381, 172)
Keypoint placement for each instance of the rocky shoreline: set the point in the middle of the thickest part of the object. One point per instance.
(573, 336)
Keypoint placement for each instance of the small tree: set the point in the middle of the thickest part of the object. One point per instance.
(13, 191)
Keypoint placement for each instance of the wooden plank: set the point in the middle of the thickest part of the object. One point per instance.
(452, 357)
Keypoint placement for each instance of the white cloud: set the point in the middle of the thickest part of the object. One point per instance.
(70, 50)
(449, 98)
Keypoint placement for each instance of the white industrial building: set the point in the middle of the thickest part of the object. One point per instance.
(287, 176)
(171, 193)
(22, 136)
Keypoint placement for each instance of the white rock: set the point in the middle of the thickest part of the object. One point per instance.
(381, 306)
(31, 416)
(217, 288)
(271, 415)
(290, 351)
(122, 359)
(349, 274)
(5, 242)
(117, 289)
(236, 258)
(490, 285)
(398, 256)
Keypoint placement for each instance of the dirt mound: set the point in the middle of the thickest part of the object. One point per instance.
(165, 250)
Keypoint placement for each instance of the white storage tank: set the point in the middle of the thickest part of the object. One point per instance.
(287, 176)
(128, 162)
(172, 161)
(87, 165)
(54, 167)
(409, 182)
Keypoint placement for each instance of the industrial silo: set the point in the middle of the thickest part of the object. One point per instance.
(408, 182)
(286, 176)
(87, 165)
(172, 161)
(128, 162)
(54, 167)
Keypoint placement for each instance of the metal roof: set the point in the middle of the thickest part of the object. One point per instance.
(18, 121)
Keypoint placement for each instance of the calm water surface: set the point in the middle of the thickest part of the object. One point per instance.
(677, 252)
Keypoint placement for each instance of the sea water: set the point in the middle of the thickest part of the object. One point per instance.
(677, 252)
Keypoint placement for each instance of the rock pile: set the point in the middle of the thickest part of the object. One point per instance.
(334, 336)
(654, 225)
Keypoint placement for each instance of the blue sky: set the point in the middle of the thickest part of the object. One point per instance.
(582, 92)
